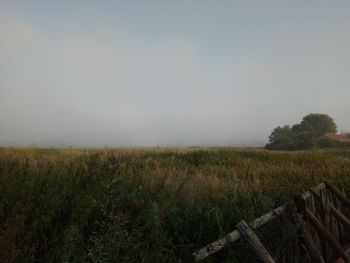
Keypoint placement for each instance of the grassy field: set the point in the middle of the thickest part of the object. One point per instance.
(146, 205)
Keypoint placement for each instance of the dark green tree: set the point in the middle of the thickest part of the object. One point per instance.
(281, 138)
(312, 132)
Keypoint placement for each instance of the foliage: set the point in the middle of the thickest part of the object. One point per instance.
(281, 138)
(313, 130)
(146, 205)
(319, 124)
(311, 133)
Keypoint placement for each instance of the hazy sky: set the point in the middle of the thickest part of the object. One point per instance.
(165, 73)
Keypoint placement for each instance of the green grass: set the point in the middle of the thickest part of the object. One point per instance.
(146, 205)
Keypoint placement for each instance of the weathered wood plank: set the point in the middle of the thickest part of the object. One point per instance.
(300, 200)
(317, 189)
(321, 196)
(262, 220)
(342, 219)
(323, 232)
(337, 214)
(235, 235)
(216, 245)
(307, 239)
(311, 246)
(249, 236)
(338, 193)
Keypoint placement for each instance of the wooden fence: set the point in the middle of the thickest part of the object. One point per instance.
(320, 217)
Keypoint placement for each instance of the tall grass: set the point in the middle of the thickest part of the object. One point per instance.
(145, 205)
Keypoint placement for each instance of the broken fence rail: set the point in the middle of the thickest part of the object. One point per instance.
(235, 235)
(260, 221)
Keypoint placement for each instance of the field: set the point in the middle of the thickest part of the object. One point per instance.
(146, 205)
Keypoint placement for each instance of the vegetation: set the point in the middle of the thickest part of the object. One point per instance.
(311, 133)
(146, 205)
(282, 138)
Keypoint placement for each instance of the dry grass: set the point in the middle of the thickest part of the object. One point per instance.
(144, 205)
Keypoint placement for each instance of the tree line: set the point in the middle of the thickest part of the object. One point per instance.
(313, 132)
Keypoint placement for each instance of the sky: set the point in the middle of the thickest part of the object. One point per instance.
(169, 73)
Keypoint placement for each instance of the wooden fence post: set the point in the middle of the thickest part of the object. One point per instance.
(323, 232)
(249, 236)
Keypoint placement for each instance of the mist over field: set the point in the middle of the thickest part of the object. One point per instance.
(133, 131)
(179, 73)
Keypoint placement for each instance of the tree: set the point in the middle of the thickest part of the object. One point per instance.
(302, 138)
(281, 138)
(319, 124)
(312, 132)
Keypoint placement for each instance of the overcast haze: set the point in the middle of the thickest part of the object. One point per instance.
(169, 73)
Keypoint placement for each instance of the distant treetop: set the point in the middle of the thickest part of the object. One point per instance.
(314, 131)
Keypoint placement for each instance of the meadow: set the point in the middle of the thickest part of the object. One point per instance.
(146, 205)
